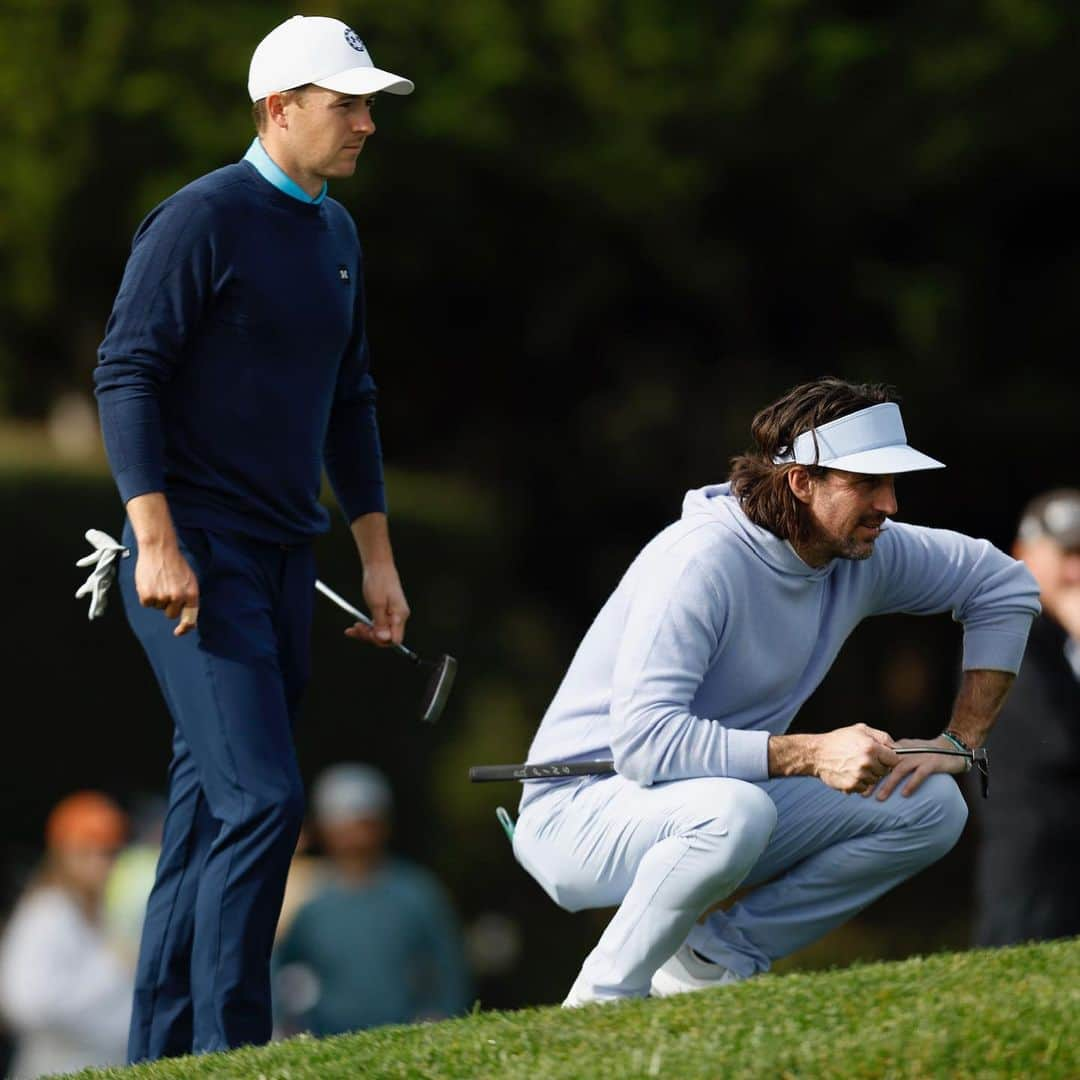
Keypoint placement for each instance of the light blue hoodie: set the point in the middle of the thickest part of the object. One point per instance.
(718, 632)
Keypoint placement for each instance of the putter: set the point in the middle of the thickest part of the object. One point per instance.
(443, 670)
(557, 770)
(104, 560)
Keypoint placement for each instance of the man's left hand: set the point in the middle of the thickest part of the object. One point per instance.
(389, 609)
(915, 768)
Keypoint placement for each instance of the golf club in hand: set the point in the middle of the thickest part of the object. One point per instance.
(557, 770)
(443, 670)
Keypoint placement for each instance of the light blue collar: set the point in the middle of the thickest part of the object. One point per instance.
(270, 170)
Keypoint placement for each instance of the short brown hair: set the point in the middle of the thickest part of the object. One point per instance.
(259, 111)
(758, 483)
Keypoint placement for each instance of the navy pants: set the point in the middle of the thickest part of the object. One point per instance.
(236, 800)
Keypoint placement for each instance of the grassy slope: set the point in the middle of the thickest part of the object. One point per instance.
(983, 1013)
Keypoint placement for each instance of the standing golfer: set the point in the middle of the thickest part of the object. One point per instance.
(692, 672)
(234, 368)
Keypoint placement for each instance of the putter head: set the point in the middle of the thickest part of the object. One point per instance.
(438, 689)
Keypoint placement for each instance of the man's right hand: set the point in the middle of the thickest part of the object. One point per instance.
(854, 759)
(851, 759)
(163, 578)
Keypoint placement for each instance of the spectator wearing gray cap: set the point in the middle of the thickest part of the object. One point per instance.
(380, 943)
(1027, 861)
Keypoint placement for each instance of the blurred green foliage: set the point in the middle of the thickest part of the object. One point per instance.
(628, 133)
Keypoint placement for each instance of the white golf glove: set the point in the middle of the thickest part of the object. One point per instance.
(103, 560)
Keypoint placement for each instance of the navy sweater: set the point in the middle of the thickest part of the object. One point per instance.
(235, 362)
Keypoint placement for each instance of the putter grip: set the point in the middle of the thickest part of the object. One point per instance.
(554, 770)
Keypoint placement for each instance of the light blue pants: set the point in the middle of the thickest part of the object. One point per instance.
(666, 853)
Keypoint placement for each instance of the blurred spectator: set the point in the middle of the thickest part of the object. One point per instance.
(132, 877)
(65, 995)
(1028, 860)
(380, 943)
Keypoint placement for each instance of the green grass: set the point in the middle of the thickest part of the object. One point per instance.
(981, 1013)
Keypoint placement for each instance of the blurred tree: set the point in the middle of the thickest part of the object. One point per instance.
(761, 188)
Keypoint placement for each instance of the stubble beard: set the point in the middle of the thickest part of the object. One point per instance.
(855, 550)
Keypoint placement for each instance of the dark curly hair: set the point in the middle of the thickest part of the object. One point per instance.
(758, 483)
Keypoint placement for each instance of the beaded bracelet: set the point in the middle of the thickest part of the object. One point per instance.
(960, 745)
(977, 758)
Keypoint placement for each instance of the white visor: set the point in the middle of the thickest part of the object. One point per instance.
(315, 49)
(871, 441)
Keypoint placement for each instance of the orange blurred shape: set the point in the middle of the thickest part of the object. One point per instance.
(86, 819)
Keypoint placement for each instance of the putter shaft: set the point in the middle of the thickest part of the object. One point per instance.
(360, 617)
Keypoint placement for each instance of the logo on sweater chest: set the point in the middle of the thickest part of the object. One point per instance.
(343, 274)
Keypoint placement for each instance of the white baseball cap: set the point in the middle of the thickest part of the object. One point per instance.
(315, 49)
(349, 790)
(871, 440)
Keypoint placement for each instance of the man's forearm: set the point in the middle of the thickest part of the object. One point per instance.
(372, 535)
(978, 702)
(151, 520)
(792, 755)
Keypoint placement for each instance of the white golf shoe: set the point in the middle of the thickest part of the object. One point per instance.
(685, 972)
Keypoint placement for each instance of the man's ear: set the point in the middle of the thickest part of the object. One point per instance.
(275, 109)
(800, 482)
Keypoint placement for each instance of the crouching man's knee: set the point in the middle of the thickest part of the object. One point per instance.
(753, 821)
(733, 834)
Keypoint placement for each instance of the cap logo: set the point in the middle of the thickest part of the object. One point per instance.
(353, 38)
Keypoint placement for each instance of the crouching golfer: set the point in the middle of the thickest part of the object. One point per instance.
(691, 673)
